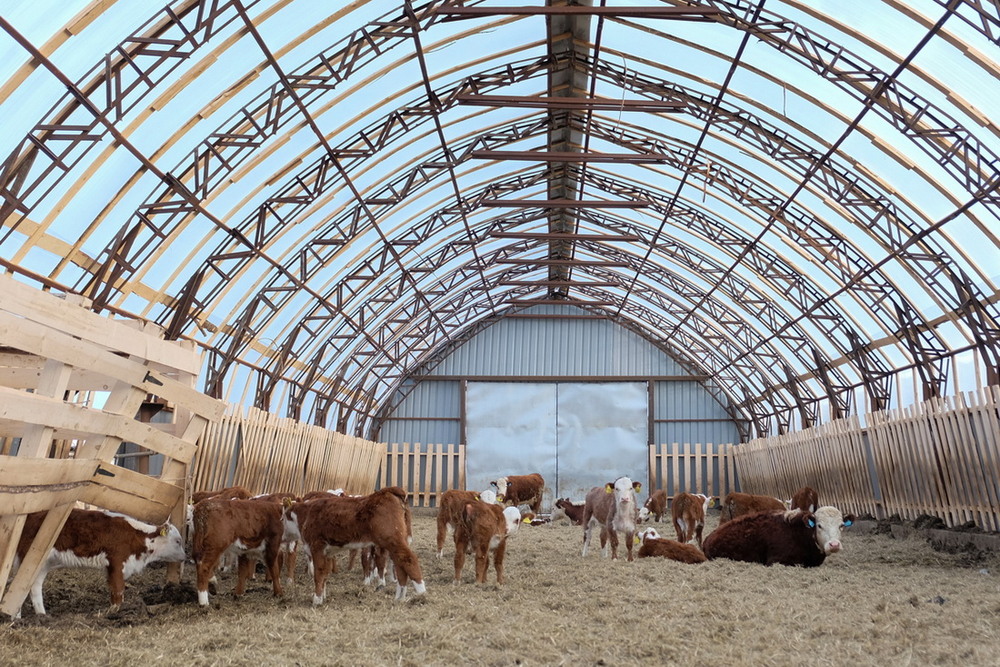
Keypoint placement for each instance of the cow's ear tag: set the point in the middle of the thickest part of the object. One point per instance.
(286, 502)
(608, 488)
(812, 522)
(848, 522)
(164, 530)
(477, 497)
(638, 488)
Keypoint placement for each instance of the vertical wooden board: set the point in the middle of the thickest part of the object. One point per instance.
(676, 455)
(987, 434)
(949, 442)
(932, 475)
(982, 500)
(881, 464)
(461, 466)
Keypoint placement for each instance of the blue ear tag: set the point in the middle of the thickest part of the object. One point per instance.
(811, 522)
(849, 522)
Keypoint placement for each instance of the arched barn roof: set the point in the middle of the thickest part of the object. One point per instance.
(795, 199)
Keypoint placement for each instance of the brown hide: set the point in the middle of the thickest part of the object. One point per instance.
(450, 508)
(228, 493)
(767, 538)
(478, 524)
(525, 490)
(657, 504)
(690, 509)
(90, 533)
(574, 511)
(379, 519)
(737, 504)
(600, 506)
(218, 524)
(805, 499)
(683, 553)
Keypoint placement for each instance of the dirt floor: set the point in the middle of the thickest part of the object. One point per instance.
(882, 601)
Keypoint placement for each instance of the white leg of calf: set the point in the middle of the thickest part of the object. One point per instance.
(36, 594)
(319, 599)
(419, 588)
(441, 553)
(203, 598)
(400, 592)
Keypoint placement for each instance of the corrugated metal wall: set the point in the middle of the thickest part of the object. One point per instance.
(682, 411)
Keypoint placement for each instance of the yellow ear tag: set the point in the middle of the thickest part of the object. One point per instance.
(286, 502)
(608, 488)
(164, 531)
(525, 520)
(476, 496)
(636, 538)
(638, 489)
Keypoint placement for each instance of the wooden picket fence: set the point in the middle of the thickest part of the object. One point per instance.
(270, 454)
(940, 457)
(692, 467)
(425, 471)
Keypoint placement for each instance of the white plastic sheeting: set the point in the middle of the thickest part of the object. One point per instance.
(575, 434)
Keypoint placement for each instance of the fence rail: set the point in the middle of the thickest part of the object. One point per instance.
(940, 457)
(425, 471)
(691, 467)
(270, 454)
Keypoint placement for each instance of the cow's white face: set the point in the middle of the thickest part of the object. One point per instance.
(488, 496)
(828, 522)
(624, 490)
(290, 524)
(501, 485)
(648, 533)
(167, 545)
(644, 514)
(512, 517)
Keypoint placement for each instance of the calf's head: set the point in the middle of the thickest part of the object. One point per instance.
(827, 523)
(624, 490)
(167, 544)
(646, 534)
(501, 484)
(488, 496)
(512, 517)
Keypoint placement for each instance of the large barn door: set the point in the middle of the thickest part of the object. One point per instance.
(602, 434)
(510, 428)
(576, 434)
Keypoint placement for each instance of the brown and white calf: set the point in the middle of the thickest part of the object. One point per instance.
(655, 505)
(483, 528)
(688, 514)
(114, 542)
(328, 524)
(517, 490)
(651, 545)
(564, 507)
(451, 504)
(245, 527)
(790, 537)
(613, 508)
(805, 499)
(737, 504)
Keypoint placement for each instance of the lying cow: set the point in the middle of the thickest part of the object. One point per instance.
(517, 490)
(613, 508)
(737, 504)
(246, 527)
(790, 537)
(451, 504)
(92, 538)
(564, 507)
(688, 515)
(652, 545)
(483, 528)
(327, 524)
(655, 506)
(805, 499)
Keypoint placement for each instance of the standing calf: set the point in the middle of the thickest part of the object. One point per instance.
(688, 514)
(789, 537)
(613, 508)
(483, 528)
(805, 499)
(655, 505)
(90, 538)
(328, 524)
(450, 508)
(246, 527)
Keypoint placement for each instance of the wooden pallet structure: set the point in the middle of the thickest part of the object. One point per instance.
(71, 385)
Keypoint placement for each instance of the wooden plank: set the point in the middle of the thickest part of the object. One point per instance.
(59, 346)
(54, 313)
(32, 562)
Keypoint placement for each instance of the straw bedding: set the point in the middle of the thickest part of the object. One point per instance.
(880, 602)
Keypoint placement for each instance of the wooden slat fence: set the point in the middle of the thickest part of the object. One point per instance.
(940, 457)
(425, 471)
(271, 454)
(691, 467)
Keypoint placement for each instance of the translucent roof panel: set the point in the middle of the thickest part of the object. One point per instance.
(797, 200)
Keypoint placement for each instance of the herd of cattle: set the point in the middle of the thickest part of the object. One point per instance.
(377, 528)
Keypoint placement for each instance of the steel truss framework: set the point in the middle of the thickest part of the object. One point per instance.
(349, 289)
